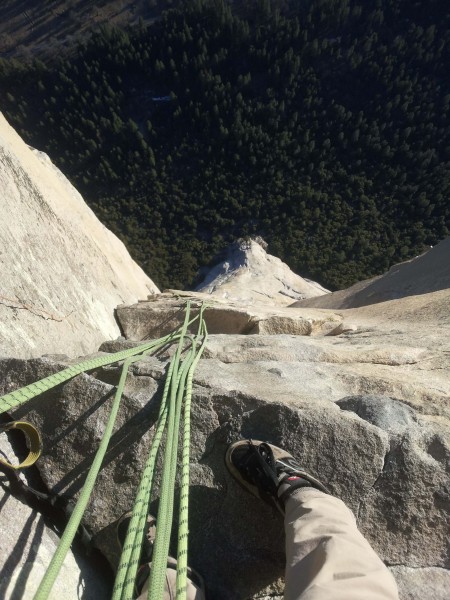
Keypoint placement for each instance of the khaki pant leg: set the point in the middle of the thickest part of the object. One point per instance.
(192, 591)
(327, 558)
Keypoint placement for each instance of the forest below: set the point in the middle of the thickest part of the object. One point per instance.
(321, 125)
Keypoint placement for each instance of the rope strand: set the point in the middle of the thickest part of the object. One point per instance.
(177, 395)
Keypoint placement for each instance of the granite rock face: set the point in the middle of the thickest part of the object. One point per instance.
(414, 584)
(72, 420)
(357, 410)
(360, 393)
(63, 273)
(429, 272)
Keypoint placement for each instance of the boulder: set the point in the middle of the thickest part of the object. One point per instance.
(63, 272)
(162, 313)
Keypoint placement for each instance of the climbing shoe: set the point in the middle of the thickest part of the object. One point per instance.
(147, 546)
(149, 535)
(268, 472)
(143, 572)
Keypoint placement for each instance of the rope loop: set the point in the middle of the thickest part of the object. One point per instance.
(34, 443)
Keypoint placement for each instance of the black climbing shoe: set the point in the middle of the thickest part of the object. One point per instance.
(268, 472)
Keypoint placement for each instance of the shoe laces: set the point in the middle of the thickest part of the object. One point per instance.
(259, 466)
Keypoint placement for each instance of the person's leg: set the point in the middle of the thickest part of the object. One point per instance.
(327, 558)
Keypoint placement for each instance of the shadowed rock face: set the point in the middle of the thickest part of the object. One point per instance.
(429, 272)
(28, 544)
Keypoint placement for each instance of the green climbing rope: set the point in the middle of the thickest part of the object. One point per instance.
(183, 525)
(22, 395)
(75, 519)
(177, 391)
(178, 387)
(129, 562)
(166, 500)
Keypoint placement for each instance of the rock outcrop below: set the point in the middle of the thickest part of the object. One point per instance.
(63, 272)
(250, 276)
(429, 272)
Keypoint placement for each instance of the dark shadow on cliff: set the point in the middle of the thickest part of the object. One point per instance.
(16, 554)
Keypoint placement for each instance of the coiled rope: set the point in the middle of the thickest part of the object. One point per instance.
(177, 391)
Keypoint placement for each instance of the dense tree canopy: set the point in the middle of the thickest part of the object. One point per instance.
(322, 125)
